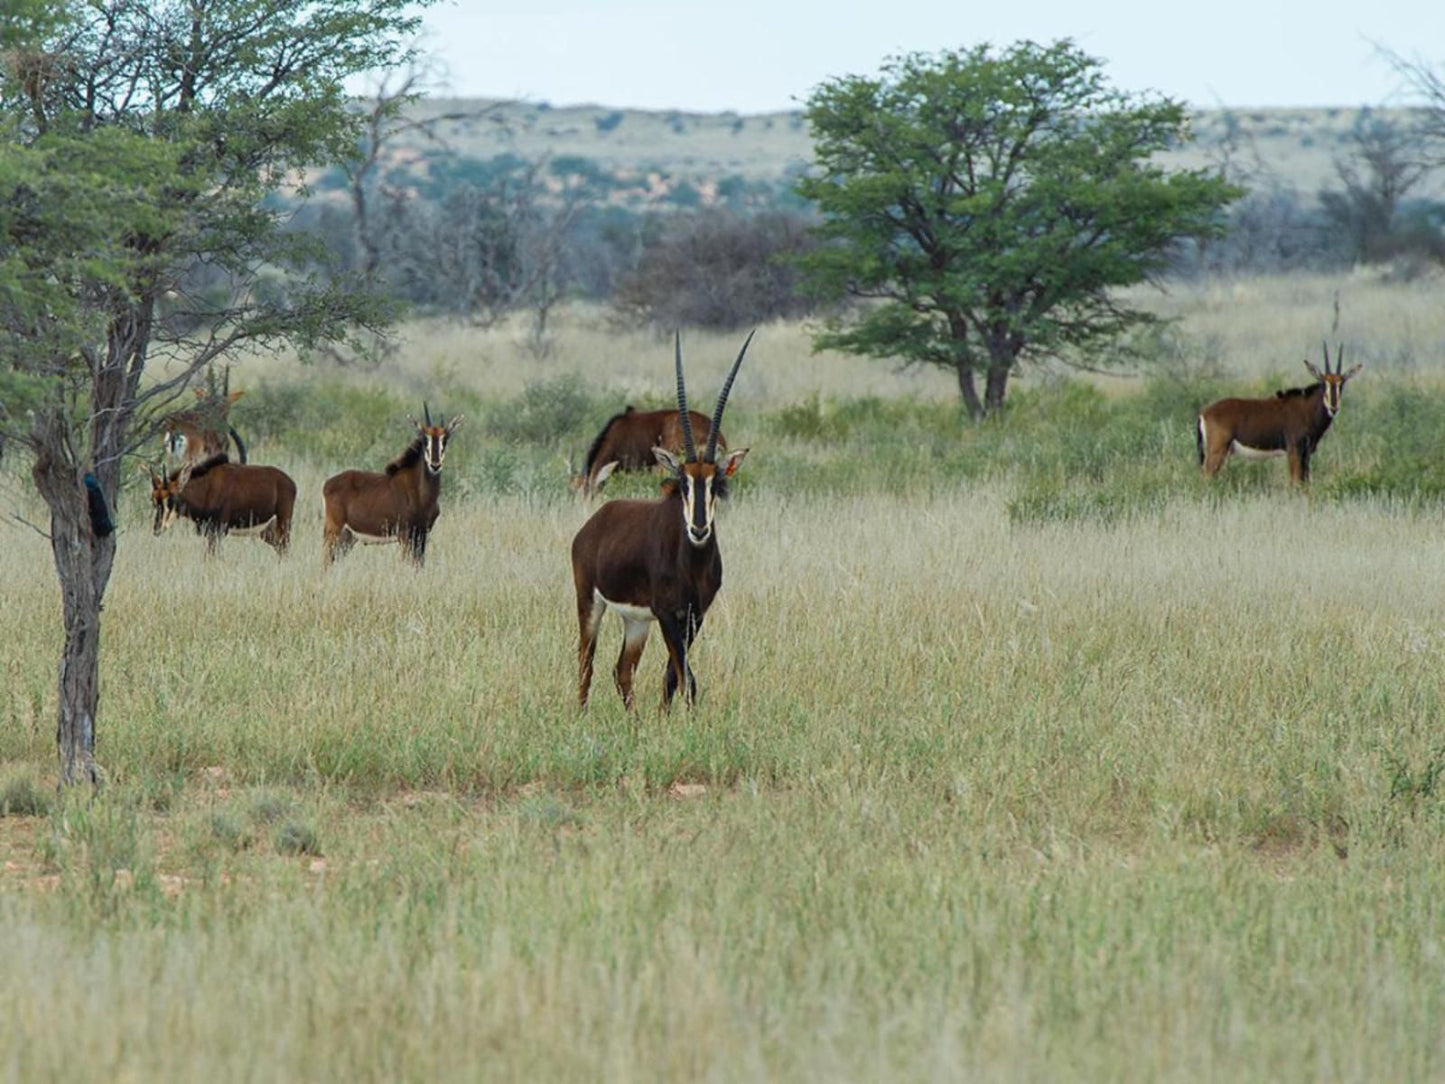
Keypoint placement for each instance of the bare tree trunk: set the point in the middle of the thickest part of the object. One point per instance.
(968, 390)
(997, 386)
(84, 549)
(82, 563)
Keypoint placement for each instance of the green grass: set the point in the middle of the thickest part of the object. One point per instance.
(1022, 752)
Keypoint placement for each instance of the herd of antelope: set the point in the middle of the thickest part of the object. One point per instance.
(649, 560)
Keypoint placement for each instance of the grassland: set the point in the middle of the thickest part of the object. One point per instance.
(1022, 753)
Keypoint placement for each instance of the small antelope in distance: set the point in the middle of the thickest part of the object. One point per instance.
(196, 434)
(627, 439)
(1292, 423)
(656, 560)
(222, 498)
(397, 505)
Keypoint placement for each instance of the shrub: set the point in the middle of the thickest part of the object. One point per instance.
(717, 269)
(20, 797)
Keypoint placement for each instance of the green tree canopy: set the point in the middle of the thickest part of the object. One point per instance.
(987, 204)
(139, 142)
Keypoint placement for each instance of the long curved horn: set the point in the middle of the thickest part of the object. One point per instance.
(689, 449)
(722, 398)
(426, 410)
(1340, 358)
(1326, 345)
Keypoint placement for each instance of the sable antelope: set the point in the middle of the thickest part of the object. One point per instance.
(398, 505)
(1292, 423)
(222, 498)
(627, 440)
(656, 560)
(193, 435)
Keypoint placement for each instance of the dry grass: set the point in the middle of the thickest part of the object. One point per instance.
(964, 796)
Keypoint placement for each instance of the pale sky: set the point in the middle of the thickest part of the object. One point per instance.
(753, 56)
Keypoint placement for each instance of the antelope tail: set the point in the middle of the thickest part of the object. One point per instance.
(240, 444)
(1199, 439)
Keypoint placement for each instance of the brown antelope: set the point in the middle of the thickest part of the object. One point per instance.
(1292, 423)
(397, 505)
(626, 442)
(656, 560)
(221, 497)
(196, 434)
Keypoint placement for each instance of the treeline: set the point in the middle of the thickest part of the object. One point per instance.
(1372, 211)
(481, 239)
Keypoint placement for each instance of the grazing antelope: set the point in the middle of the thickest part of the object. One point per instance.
(222, 498)
(626, 442)
(398, 505)
(193, 435)
(656, 560)
(1292, 423)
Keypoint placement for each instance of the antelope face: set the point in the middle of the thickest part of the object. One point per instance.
(1334, 382)
(434, 441)
(700, 484)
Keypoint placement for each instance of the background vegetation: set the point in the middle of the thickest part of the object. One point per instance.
(1021, 751)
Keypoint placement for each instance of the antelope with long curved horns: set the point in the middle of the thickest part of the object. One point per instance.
(221, 498)
(1291, 423)
(398, 505)
(626, 440)
(201, 432)
(657, 560)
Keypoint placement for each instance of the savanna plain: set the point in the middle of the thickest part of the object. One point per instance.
(1022, 752)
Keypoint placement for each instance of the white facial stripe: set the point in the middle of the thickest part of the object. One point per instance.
(697, 536)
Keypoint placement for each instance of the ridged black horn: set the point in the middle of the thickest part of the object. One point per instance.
(1326, 345)
(1340, 359)
(426, 410)
(722, 398)
(689, 449)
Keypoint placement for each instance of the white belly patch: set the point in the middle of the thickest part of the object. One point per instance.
(629, 613)
(372, 539)
(254, 529)
(1246, 452)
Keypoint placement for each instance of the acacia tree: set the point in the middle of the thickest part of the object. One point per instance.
(1385, 162)
(142, 139)
(988, 204)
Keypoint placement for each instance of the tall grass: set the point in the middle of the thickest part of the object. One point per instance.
(1021, 752)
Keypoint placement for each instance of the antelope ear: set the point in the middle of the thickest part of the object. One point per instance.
(1313, 371)
(231, 399)
(666, 458)
(1352, 371)
(414, 423)
(604, 474)
(732, 462)
(455, 424)
(200, 393)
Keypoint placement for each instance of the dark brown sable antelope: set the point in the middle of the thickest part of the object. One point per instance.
(223, 498)
(626, 442)
(656, 560)
(201, 433)
(1292, 423)
(397, 505)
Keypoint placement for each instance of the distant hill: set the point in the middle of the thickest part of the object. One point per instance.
(651, 153)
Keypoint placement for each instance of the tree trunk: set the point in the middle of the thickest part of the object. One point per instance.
(997, 386)
(969, 390)
(82, 563)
